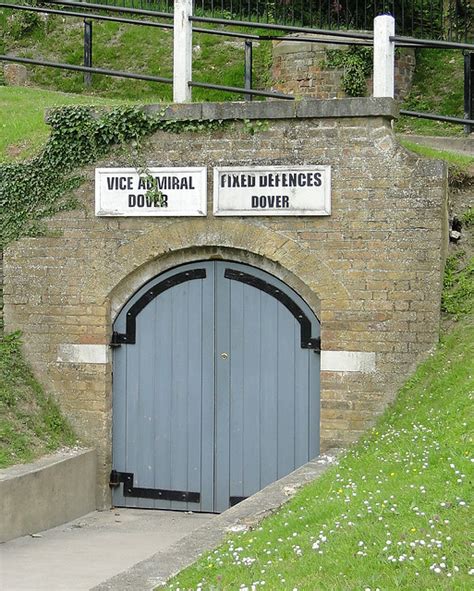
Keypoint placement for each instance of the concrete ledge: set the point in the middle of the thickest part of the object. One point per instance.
(279, 109)
(461, 145)
(157, 569)
(273, 109)
(46, 493)
(296, 43)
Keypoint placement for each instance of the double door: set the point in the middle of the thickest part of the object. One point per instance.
(215, 388)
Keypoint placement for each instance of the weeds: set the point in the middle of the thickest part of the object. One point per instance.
(30, 421)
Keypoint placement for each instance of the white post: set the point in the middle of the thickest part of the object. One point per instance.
(384, 56)
(182, 51)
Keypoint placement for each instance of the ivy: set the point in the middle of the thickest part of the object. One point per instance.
(41, 187)
(357, 65)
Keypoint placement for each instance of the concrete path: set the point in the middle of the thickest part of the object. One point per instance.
(134, 549)
(459, 145)
(83, 553)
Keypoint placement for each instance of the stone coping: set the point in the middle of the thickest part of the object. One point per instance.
(305, 108)
(42, 463)
(280, 109)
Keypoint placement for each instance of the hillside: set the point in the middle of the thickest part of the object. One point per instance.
(438, 85)
(395, 512)
(31, 423)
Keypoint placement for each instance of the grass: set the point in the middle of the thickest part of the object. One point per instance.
(22, 125)
(459, 279)
(31, 424)
(438, 87)
(137, 49)
(458, 160)
(395, 513)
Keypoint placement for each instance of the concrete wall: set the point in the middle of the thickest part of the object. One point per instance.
(371, 271)
(46, 493)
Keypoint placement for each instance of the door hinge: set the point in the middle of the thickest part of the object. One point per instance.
(150, 493)
(117, 339)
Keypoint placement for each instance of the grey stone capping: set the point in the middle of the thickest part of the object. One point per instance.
(348, 107)
(299, 43)
(280, 109)
(297, 46)
(275, 109)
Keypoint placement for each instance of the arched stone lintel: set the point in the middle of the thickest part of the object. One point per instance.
(183, 242)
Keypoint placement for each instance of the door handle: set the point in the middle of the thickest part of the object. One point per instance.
(224, 355)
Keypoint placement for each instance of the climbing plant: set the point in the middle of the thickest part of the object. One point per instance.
(356, 61)
(34, 190)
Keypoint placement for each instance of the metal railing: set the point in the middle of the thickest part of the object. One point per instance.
(426, 19)
(162, 19)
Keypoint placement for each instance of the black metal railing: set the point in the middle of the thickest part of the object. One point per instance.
(427, 19)
(247, 91)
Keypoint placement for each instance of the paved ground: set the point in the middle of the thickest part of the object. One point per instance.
(134, 549)
(83, 553)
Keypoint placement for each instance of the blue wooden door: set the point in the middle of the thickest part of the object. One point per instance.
(216, 388)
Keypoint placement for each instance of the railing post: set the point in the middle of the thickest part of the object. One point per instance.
(468, 90)
(88, 51)
(248, 69)
(182, 51)
(384, 56)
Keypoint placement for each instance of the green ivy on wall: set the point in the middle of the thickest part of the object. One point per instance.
(41, 187)
(357, 65)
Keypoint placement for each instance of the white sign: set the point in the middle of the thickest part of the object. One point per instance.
(272, 190)
(159, 192)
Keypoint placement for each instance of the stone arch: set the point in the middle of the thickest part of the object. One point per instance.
(161, 249)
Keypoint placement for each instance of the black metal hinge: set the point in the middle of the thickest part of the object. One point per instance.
(307, 341)
(117, 339)
(150, 493)
(234, 500)
(129, 336)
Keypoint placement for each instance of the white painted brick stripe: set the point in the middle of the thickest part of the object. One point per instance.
(343, 361)
(339, 361)
(83, 354)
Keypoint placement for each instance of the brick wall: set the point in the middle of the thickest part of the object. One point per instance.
(299, 68)
(371, 271)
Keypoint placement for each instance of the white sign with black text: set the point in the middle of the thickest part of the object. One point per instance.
(272, 190)
(158, 192)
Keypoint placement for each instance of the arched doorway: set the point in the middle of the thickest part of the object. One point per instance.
(215, 387)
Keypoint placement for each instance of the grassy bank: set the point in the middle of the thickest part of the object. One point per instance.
(22, 110)
(31, 424)
(438, 87)
(132, 48)
(395, 513)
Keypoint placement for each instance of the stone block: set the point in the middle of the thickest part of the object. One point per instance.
(15, 74)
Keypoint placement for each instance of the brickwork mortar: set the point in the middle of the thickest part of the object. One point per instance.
(371, 271)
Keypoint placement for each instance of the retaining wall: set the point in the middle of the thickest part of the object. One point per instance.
(371, 271)
(300, 68)
(46, 493)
